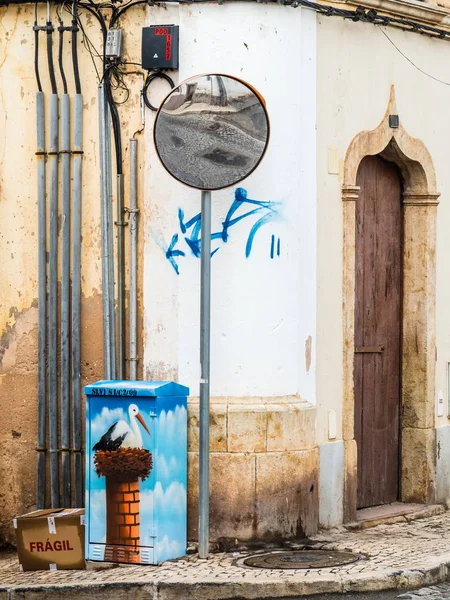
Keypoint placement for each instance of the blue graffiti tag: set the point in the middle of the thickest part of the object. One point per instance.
(191, 229)
(272, 247)
(172, 253)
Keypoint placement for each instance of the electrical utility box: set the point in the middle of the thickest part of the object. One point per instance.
(113, 46)
(136, 471)
(160, 45)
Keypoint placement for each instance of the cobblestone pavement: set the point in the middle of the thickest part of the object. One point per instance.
(403, 555)
(434, 592)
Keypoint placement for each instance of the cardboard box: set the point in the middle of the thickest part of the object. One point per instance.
(50, 539)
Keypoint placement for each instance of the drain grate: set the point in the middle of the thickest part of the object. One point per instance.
(301, 559)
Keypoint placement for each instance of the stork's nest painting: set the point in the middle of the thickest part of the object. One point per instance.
(124, 464)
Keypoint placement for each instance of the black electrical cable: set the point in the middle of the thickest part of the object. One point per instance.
(120, 12)
(411, 62)
(76, 71)
(36, 60)
(119, 84)
(36, 50)
(90, 47)
(360, 14)
(51, 67)
(93, 10)
(115, 121)
(148, 81)
(60, 55)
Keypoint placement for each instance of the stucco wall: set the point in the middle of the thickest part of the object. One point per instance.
(264, 308)
(18, 218)
(268, 323)
(353, 90)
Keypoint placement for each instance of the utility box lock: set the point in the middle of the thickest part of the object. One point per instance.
(160, 47)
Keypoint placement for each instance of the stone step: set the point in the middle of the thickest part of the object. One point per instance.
(396, 512)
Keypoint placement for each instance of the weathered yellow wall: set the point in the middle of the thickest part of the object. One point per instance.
(280, 447)
(18, 234)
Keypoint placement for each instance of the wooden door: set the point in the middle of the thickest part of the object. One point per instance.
(378, 317)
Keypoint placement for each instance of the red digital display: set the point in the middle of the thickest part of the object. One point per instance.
(161, 31)
(168, 46)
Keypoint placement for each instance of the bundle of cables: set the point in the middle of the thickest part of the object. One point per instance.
(151, 76)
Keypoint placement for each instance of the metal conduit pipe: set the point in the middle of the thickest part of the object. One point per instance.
(76, 274)
(65, 278)
(65, 301)
(120, 279)
(76, 301)
(113, 119)
(42, 301)
(53, 304)
(53, 277)
(41, 447)
(133, 258)
(110, 238)
(104, 230)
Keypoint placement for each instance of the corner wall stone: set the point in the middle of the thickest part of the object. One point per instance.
(331, 511)
(418, 465)
(443, 465)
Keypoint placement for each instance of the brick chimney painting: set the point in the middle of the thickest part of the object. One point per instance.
(137, 479)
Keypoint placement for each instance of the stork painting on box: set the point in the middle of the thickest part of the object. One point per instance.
(136, 472)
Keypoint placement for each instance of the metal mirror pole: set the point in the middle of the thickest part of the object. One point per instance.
(189, 165)
(205, 338)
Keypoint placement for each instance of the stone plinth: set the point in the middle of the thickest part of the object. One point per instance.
(264, 469)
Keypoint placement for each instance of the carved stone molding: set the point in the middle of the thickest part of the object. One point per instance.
(350, 193)
(419, 300)
(412, 199)
(396, 145)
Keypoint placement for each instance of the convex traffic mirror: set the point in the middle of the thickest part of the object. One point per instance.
(211, 131)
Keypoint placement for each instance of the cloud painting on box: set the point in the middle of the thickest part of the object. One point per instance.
(136, 474)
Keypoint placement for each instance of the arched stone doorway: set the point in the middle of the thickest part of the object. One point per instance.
(420, 199)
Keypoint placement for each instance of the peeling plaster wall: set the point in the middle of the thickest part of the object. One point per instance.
(264, 307)
(18, 231)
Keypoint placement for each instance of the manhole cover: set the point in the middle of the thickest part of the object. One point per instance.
(301, 559)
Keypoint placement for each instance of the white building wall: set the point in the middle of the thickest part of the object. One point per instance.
(356, 66)
(353, 93)
(263, 308)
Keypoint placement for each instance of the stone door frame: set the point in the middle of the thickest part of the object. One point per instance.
(420, 200)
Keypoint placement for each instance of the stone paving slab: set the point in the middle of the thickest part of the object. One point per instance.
(403, 556)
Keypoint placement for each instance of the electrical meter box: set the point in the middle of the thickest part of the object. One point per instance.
(160, 47)
(136, 471)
